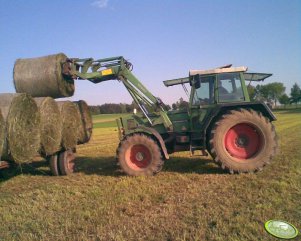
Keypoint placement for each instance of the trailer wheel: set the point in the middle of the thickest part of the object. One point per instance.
(139, 155)
(53, 164)
(66, 162)
(243, 141)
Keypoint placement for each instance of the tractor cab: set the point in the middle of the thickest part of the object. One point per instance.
(217, 86)
(225, 84)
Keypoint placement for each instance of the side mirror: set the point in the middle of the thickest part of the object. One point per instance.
(195, 81)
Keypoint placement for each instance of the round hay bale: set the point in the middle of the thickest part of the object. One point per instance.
(71, 123)
(41, 77)
(85, 129)
(2, 133)
(51, 125)
(22, 134)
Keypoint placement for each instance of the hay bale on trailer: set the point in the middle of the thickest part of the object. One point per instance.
(41, 77)
(71, 122)
(85, 129)
(51, 125)
(22, 132)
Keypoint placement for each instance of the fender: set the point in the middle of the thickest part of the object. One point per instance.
(158, 137)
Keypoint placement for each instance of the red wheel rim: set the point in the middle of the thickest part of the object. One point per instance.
(138, 157)
(243, 141)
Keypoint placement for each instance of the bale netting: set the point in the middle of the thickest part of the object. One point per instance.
(85, 129)
(71, 123)
(2, 133)
(41, 77)
(22, 131)
(51, 125)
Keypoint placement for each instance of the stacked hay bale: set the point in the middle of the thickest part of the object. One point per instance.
(85, 129)
(71, 121)
(51, 125)
(30, 126)
(41, 77)
(22, 127)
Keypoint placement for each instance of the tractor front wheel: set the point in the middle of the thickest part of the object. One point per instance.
(138, 155)
(243, 141)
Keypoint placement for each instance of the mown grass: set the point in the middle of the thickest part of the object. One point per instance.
(191, 199)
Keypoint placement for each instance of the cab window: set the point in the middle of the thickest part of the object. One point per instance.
(204, 94)
(229, 87)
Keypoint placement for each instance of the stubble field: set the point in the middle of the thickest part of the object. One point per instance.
(190, 199)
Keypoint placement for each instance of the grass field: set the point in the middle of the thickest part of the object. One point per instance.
(106, 120)
(191, 199)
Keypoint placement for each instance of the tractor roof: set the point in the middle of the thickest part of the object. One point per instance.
(224, 69)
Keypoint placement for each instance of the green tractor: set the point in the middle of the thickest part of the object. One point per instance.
(221, 120)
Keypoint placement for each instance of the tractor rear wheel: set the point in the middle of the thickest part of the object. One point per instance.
(243, 141)
(138, 155)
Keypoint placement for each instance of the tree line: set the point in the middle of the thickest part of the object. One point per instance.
(112, 108)
(272, 93)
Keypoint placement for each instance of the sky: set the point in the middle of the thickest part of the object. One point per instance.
(163, 39)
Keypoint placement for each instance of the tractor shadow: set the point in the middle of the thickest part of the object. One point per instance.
(107, 166)
(197, 165)
(104, 166)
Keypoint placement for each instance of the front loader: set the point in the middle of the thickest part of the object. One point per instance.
(221, 119)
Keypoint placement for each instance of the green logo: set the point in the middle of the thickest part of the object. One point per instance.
(281, 229)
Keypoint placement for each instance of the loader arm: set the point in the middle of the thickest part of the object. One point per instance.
(118, 68)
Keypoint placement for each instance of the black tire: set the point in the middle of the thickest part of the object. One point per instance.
(53, 164)
(243, 141)
(66, 162)
(139, 155)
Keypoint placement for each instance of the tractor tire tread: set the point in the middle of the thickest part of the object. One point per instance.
(234, 117)
(156, 164)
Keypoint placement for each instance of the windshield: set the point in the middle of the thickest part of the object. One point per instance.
(229, 87)
(204, 94)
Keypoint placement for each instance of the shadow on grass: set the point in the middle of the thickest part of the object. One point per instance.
(192, 165)
(107, 166)
(36, 168)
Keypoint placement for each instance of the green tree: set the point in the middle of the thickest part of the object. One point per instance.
(270, 92)
(174, 106)
(122, 107)
(284, 99)
(167, 107)
(182, 104)
(295, 94)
